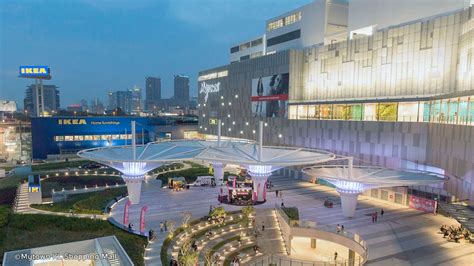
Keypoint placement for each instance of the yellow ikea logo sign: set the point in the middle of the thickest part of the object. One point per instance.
(28, 71)
(72, 122)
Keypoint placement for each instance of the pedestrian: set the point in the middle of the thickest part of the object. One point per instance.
(282, 204)
(276, 193)
(342, 228)
(161, 227)
(263, 226)
(338, 228)
(130, 227)
(381, 212)
(375, 216)
(166, 226)
(335, 256)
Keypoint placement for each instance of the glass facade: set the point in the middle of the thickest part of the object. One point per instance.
(459, 110)
(94, 137)
(288, 20)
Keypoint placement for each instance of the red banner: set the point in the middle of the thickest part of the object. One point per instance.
(142, 218)
(125, 213)
(276, 97)
(421, 204)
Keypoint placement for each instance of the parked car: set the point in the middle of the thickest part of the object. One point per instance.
(3, 160)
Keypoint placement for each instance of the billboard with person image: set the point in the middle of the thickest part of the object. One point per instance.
(270, 96)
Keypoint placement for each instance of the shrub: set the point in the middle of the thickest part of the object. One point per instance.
(4, 214)
(292, 213)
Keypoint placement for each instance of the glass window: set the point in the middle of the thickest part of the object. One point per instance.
(313, 112)
(408, 112)
(463, 111)
(384, 195)
(78, 138)
(453, 105)
(123, 136)
(96, 137)
(356, 112)
(369, 111)
(470, 117)
(293, 112)
(292, 35)
(302, 112)
(257, 42)
(387, 111)
(104, 137)
(426, 111)
(191, 134)
(398, 198)
(115, 136)
(88, 137)
(374, 193)
(443, 115)
(326, 111)
(338, 112)
(68, 138)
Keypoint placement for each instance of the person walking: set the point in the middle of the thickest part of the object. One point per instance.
(342, 228)
(276, 193)
(338, 228)
(161, 227)
(166, 226)
(263, 226)
(375, 216)
(381, 212)
(335, 256)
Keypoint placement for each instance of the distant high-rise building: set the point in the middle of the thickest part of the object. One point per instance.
(153, 93)
(136, 99)
(96, 106)
(181, 88)
(122, 100)
(34, 102)
(84, 105)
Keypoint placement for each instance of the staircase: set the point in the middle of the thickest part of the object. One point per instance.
(269, 240)
(22, 203)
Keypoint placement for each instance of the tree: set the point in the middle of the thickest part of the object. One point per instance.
(187, 255)
(170, 225)
(186, 217)
(218, 212)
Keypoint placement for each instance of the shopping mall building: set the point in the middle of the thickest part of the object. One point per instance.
(391, 84)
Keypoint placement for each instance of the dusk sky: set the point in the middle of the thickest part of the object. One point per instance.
(97, 46)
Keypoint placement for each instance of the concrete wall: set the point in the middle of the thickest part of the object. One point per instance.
(387, 12)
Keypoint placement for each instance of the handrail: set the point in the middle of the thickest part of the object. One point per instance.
(327, 228)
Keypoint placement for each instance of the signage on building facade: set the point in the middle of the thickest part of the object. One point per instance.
(209, 88)
(212, 121)
(270, 96)
(69, 121)
(35, 71)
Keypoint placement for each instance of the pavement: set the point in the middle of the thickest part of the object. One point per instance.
(402, 236)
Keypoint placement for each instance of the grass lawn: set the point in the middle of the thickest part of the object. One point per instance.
(189, 174)
(57, 165)
(35, 230)
(8, 186)
(88, 203)
(69, 182)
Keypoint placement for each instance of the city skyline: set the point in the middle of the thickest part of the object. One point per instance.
(96, 48)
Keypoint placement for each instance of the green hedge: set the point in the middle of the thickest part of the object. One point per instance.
(88, 203)
(189, 174)
(57, 165)
(69, 182)
(292, 212)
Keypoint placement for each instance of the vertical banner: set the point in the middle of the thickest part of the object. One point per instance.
(270, 96)
(235, 180)
(142, 218)
(125, 212)
(422, 204)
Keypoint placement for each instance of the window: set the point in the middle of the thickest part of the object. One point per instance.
(191, 135)
(374, 193)
(288, 20)
(244, 46)
(68, 138)
(387, 111)
(398, 198)
(257, 42)
(245, 57)
(88, 137)
(78, 138)
(234, 49)
(384, 195)
(284, 38)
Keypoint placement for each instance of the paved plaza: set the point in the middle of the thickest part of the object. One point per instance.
(402, 236)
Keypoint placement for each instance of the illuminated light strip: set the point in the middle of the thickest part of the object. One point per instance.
(348, 187)
(260, 170)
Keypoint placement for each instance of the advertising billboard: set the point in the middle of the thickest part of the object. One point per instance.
(43, 72)
(270, 96)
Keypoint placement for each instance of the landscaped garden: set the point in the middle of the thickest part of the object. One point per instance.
(211, 239)
(190, 174)
(57, 165)
(77, 181)
(21, 231)
(86, 203)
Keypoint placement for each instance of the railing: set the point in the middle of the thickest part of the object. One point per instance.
(278, 260)
(360, 259)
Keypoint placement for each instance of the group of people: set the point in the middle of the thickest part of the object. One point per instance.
(374, 215)
(235, 261)
(454, 233)
(163, 226)
(340, 228)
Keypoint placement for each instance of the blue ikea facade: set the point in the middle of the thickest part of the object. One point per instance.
(67, 135)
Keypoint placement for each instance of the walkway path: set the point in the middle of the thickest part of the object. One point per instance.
(269, 240)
